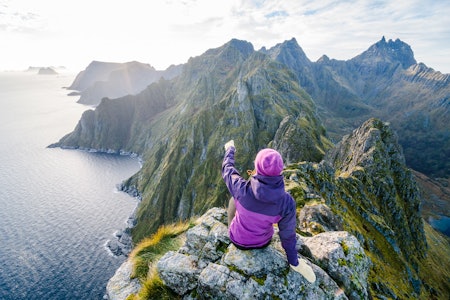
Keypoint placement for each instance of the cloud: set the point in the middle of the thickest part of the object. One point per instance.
(277, 14)
(165, 32)
(343, 29)
(14, 20)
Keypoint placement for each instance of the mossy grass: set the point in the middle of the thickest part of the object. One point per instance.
(345, 248)
(149, 250)
(154, 288)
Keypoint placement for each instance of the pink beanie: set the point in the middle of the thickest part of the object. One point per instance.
(268, 162)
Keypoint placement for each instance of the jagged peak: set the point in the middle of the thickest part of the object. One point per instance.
(288, 52)
(388, 51)
(243, 47)
(231, 52)
(96, 63)
(358, 148)
(217, 60)
(392, 44)
(323, 59)
(291, 42)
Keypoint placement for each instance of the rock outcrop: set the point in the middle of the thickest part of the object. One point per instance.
(121, 285)
(318, 218)
(366, 184)
(209, 267)
(372, 155)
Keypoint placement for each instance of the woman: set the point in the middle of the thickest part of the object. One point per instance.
(260, 202)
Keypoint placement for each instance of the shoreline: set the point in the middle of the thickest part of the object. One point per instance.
(122, 243)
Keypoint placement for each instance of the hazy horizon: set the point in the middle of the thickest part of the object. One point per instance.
(72, 34)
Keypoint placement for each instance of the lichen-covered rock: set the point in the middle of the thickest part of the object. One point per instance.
(258, 262)
(120, 285)
(179, 271)
(318, 218)
(208, 240)
(209, 266)
(343, 258)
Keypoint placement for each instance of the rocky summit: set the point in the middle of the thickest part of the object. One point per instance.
(207, 266)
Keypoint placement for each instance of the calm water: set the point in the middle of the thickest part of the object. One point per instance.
(58, 208)
(442, 224)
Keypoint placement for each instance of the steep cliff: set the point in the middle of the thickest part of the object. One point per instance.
(114, 80)
(372, 156)
(179, 128)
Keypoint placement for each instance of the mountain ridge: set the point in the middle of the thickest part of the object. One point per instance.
(385, 82)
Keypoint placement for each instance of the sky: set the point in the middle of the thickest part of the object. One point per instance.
(73, 33)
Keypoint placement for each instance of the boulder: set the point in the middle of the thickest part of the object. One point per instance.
(120, 285)
(209, 266)
(342, 257)
(318, 218)
(179, 271)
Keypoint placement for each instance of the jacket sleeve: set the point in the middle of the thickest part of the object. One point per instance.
(230, 175)
(287, 234)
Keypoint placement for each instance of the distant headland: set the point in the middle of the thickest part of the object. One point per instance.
(45, 70)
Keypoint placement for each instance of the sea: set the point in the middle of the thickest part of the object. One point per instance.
(58, 208)
(441, 223)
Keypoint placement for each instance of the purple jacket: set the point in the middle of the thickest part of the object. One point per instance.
(260, 202)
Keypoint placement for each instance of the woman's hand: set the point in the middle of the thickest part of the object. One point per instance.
(229, 144)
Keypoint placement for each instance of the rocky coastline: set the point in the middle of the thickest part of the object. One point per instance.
(122, 244)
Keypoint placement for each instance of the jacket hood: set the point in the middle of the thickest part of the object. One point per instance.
(267, 189)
